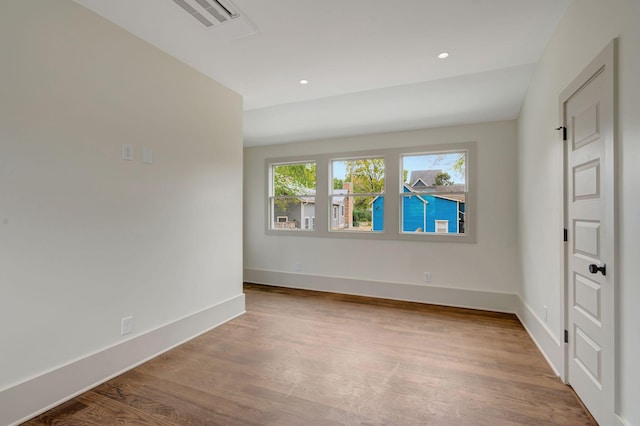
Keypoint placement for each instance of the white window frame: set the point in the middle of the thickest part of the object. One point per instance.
(392, 228)
(354, 195)
(426, 191)
(271, 225)
(442, 222)
(307, 222)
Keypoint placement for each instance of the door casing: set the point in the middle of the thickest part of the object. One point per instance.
(605, 59)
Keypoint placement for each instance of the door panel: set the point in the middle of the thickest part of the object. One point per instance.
(587, 107)
(587, 297)
(587, 356)
(587, 181)
(587, 239)
(585, 126)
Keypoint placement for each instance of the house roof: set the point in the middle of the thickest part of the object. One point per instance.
(452, 192)
(424, 177)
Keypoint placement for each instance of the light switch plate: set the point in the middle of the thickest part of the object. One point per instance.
(127, 152)
(147, 155)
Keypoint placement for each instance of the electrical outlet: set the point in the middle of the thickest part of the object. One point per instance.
(546, 313)
(298, 267)
(427, 277)
(127, 325)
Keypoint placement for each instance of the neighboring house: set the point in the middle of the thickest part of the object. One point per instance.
(295, 214)
(426, 212)
(337, 214)
(423, 178)
(300, 213)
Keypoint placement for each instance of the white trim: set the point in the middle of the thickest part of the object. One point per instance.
(604, 65)
(35, 396)
(549, 345)
(392, 210)
(621, 422)
(442, 222)
(410, 292)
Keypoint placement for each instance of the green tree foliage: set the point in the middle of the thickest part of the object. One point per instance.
(294, 179)
(367, 175)
(337, 183)
(458, 166)
(442, 179)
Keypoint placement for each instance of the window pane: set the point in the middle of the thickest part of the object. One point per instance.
(429, 213)
(293, 190)
(350, 211)
(433, 192)
(294, 179)
(358, 176)
(293, 213)
(435, 172)
(356, 213)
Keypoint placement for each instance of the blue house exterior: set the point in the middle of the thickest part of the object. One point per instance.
(377, 214)
(421, 212)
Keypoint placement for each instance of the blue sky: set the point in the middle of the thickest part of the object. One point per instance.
(443, 161)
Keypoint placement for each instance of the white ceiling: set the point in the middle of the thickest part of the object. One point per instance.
(372, 65)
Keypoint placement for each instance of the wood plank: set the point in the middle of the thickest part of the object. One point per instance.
(303, 357)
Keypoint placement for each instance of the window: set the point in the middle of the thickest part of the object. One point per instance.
(356, 185)
(433, 192)
(292, 195)
(442, 226)
(432, 198)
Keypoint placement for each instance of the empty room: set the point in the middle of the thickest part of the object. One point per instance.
(243, 212)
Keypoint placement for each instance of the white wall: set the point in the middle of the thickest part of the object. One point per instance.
(395, 268)
(85, 237)
(587, 27)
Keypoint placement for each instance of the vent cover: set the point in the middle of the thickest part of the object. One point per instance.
(210, 12)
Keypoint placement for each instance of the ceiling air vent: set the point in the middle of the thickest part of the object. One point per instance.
(209, 12)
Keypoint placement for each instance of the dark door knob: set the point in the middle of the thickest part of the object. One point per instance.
(595, 268)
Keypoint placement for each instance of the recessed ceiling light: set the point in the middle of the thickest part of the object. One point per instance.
(304, 82)
(443, 55)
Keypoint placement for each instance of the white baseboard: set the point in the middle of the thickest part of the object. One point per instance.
(552, 348)
(462, 298)
(621, 422)
(33, 397)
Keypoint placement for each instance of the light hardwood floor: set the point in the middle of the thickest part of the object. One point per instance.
(307, 358)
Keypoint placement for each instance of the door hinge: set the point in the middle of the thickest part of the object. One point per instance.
(566, 336)
(564, 132)
(566, 235)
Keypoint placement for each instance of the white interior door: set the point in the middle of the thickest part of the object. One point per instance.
(588, 114)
